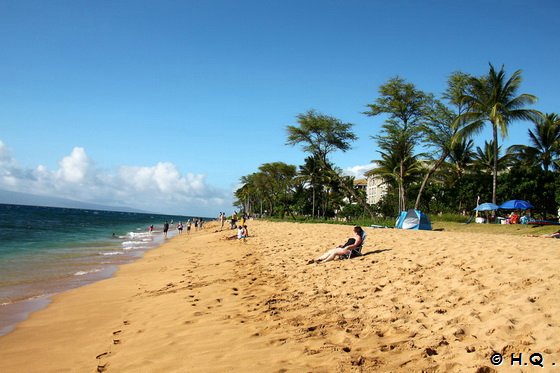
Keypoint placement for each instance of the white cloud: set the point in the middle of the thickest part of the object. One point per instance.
(73, 168)
(358, 170)
(157, 188)
(4, 154)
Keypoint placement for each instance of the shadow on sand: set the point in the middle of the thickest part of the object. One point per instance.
(375, 252)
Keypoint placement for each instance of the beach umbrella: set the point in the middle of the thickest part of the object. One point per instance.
(488, 206)
(516, 204)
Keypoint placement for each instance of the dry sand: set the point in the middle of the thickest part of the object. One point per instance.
(417, 301)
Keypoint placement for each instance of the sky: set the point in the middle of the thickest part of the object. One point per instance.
(164, 105)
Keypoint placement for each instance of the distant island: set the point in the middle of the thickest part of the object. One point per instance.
(17, 198)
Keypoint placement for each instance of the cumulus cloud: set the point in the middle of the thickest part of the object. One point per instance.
(158, 188)
(358, 170)
(73, 168)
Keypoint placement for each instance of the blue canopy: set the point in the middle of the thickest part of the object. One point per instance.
(516, 204)
(488, 206)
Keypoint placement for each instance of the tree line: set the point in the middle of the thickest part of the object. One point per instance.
(427, 155)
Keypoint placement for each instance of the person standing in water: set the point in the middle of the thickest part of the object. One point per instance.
(180, 227)
(165, 228)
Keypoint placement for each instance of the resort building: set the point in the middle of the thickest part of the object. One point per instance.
(360, 184)
(373, 185)
(376, 188)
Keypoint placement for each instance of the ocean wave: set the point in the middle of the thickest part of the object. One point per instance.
(132, 243)
(138, 235)
(112, 253)
(82, 273)
(135, 247)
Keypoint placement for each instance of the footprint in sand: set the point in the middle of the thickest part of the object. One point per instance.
(102, 367)
(116, 333)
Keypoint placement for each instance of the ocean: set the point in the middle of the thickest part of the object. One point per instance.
(47, 250)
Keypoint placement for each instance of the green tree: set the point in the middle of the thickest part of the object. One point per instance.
(494, 98)
(545, 143)
(487, 161)
(406, 108)
(273, 186)
(311, 171)
(320, 135)
(460, 160)
(278, 180)
(398, 169)
(252, 193)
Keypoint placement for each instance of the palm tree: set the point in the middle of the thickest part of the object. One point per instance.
(443, 129)
(398, 166)
(311, 172)
(494, 98)
(545, 140)
(460, 160)
(486, 161)
(461, 156)
(406, 107)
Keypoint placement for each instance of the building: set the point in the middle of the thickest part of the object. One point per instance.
(360, 184)
(373, 185)
(376, 188)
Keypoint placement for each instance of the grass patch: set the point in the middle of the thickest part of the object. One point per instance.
(447, 223)
(512, 229)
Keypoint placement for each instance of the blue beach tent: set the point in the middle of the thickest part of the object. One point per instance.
(413, 219)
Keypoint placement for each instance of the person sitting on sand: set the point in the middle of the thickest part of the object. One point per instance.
(341, 250)
(552, 235)
(242, 233)
(513, 218)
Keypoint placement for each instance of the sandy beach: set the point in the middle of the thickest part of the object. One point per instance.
(416, 301)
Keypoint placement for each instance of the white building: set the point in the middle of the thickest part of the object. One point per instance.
(376, 188)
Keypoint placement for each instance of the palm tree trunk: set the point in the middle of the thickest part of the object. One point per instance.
(495, 166)
(402, 202)
(426, 177)
(313, 208)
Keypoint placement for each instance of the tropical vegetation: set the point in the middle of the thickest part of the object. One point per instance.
(427, 157)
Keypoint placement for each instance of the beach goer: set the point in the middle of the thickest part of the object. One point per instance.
(180, 227)
(222, 220)
(513, 218)
(344, 249)
(242, 233)
(165, 228)
(552, 235)
(237, 236)
(234, 220)
(188, 226)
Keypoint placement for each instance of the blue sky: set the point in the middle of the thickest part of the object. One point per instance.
(164, 105)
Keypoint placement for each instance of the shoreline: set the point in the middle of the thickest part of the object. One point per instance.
(438, 301)
(11, 314)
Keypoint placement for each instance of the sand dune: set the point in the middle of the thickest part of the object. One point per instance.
(417, 301)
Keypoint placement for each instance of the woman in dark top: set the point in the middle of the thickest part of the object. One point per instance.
(344, 249)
